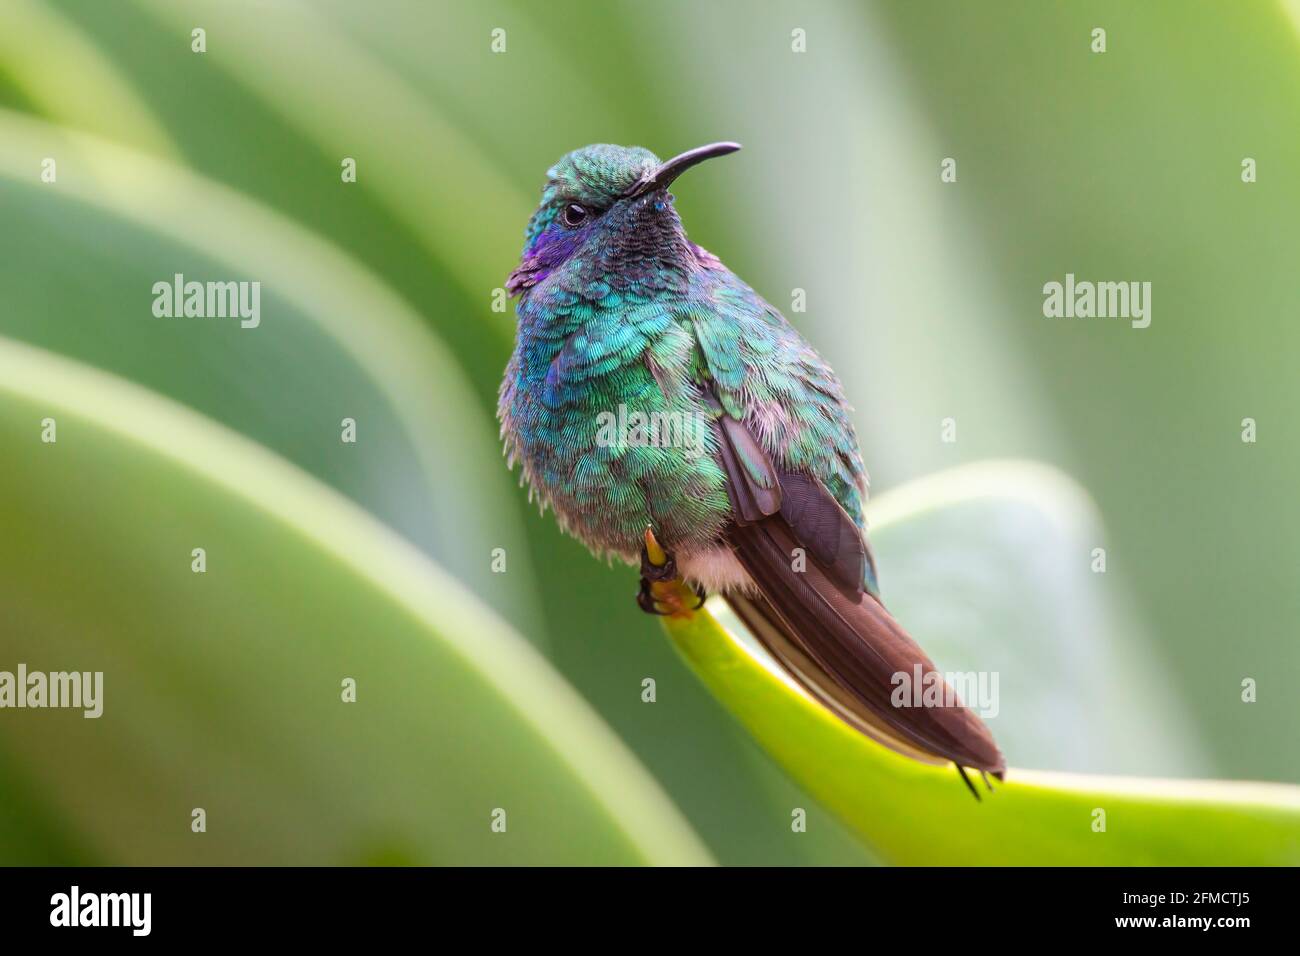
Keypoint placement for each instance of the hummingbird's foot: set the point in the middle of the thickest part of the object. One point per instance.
(645, 600)
(663, 592)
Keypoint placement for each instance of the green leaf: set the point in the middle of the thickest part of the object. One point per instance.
(60, 70)
(914, 813)
(78, 265)
(222, 689)
(279, 60)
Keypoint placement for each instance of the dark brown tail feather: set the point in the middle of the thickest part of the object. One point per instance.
(846, 652)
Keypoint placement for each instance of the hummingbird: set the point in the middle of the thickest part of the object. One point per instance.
(668, 415)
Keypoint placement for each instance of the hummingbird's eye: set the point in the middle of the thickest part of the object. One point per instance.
(573, 215)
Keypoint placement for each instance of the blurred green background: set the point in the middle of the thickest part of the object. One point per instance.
(523, 689)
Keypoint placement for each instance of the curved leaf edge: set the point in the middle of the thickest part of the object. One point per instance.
(237, 466)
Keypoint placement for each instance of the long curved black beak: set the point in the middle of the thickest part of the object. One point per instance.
(661, 177)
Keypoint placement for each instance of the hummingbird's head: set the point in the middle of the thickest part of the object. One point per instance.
(606, 221)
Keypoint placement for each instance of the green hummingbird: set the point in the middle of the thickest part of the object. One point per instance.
(669, 415)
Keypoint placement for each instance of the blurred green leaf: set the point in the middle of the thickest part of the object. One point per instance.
(1127, 165)
(80, 260)
(434, 179)
(222, 689)
(62, 72)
